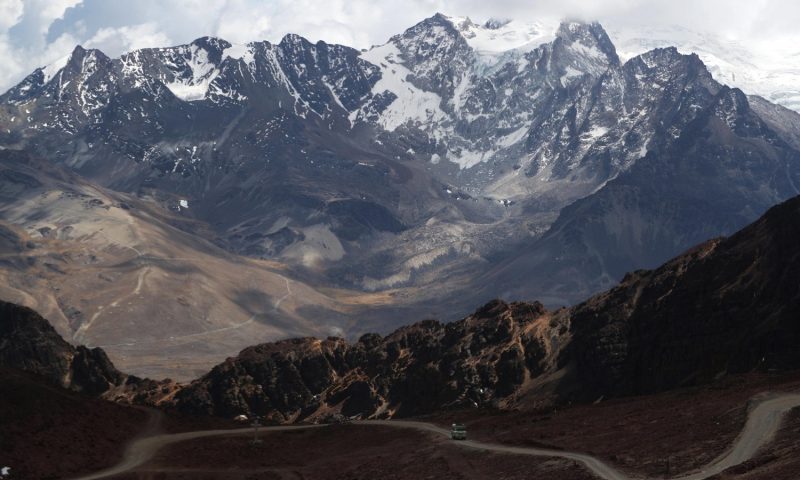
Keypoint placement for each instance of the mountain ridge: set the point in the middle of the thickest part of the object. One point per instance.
(417, 175)
(31, 344)
(726, 306)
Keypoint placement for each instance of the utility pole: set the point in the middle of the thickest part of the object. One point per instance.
(255, 426)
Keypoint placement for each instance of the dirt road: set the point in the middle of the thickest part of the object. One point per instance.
(594, 465)
(144, 449)
(762, 423)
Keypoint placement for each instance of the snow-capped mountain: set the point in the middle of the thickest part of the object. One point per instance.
(484, 117)
(497, 36)
(446, 152)
(773, 75)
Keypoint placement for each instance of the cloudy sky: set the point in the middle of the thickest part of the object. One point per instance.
(34, 33)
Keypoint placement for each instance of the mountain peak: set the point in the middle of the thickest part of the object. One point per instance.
(293, 40)
(501, 35)
(211, 43)
(75, 61)
(79, 54)
(496, 23)
(590, 35)
(439, 17)
(435, 52)
(670, 57)
(433, 26)
(459, 23)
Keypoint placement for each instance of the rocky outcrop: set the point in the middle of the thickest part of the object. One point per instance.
(28, 342)
(483, 359)
(729, 305)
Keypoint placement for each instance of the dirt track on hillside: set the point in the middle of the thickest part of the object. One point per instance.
(762, 424)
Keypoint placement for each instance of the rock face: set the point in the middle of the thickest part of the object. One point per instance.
(417, 369)
(726, 306)
(708, 171)
(28, 342)
(424, 162)
(771, 74)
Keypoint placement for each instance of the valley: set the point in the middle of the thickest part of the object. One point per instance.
(525, 381)
(186, 202)
(110, 270)
(578, 244)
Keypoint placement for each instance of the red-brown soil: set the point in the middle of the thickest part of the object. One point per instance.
(686, 428)
(176, 423)
(49, 432)
(345, 452)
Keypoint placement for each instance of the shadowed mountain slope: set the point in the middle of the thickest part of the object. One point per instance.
(727, 306)
(29, 343)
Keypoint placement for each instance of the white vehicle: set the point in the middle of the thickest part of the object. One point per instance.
(458, 432)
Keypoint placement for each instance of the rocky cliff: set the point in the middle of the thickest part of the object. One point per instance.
(423, 162)
(483, 359)
(729, 305)
(28, 342)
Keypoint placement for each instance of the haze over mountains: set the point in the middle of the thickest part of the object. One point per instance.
(260, 191)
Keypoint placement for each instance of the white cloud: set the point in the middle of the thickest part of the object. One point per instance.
(123, 39)
(21, 21)
(53, 9)
(11, 67)
(35, 32)
(10, 13)
(240, 24)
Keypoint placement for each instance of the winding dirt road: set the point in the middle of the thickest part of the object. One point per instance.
(144, 449)
(594, 465)
(288, 294)
(762, 424)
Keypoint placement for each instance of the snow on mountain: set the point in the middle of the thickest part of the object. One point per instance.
(485, 96)
(411, 104)
(477, 112)
(201, 72)
(187, 71)
(458, 133)
(238, 50)
(772, 74)
(49, 71)
(503, 35)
